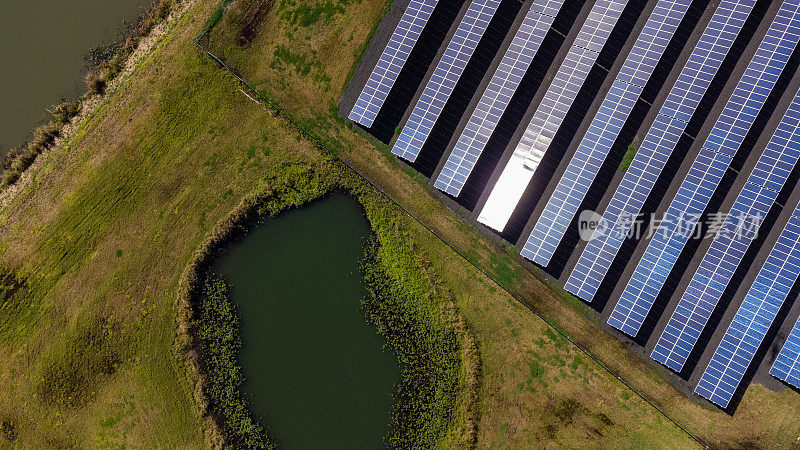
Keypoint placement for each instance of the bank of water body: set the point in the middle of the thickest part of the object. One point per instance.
(42, 55)
(311, 362)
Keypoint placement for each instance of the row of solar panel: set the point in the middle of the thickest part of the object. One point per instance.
(703, 177)
(550, 114)
(496, 97)
(722, 144)
(658, 145)
(392, 59)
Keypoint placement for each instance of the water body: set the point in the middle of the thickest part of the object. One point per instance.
(41, 55)
(313, 365)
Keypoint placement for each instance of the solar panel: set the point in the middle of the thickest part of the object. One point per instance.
(714, 273)
(746, 333)
(495, 98)
(550, 113)
(753, 318)
(693, 81)
(562, 206)
(787, 364)
(394, 56)
(444, 78)
(706, 172)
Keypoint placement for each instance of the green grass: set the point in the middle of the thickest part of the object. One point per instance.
(627, 158)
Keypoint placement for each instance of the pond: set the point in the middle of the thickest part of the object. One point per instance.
(313, 364)
(42, 55)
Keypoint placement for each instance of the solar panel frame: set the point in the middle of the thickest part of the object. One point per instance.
(550, 113)
(394, 56)
(444, 79)
(657, 146)
(498, 93)
(596, 144)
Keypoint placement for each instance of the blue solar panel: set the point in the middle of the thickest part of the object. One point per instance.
(746, 333)
(603, 131)
(787, 364)
(391, 62)
(444, 78)
(730, 361)
(693, 81)
(495, 99)
(550, 113)
(713, 275)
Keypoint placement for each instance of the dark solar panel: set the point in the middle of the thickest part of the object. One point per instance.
(787, 364)
(711, 279)
(744, 336)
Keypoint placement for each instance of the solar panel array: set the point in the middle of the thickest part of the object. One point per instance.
(761, 305)
(498, 94)
(444, 78)
(706, 173)
(787, 364)
(604, 130)
(550, 113)
(394, 56)
(640, 178)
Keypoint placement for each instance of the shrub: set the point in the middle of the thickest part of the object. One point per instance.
(96, 85)
(65, 111)
(426, 346)
(44, 136)
(627, 159)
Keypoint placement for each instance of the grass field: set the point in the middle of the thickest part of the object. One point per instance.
(104, 226)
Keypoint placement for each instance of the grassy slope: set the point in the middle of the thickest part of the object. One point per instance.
(303, 66)
(109, 223)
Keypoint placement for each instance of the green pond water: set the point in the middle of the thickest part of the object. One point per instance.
(313, 365)
(41, 55)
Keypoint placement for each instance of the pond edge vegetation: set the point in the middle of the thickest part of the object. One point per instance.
(436, 400)
(109, 61)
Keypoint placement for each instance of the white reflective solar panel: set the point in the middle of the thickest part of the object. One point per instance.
(495, 98)
(550, 113)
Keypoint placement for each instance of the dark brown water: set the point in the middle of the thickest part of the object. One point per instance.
(314, 366)
(42, 44)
